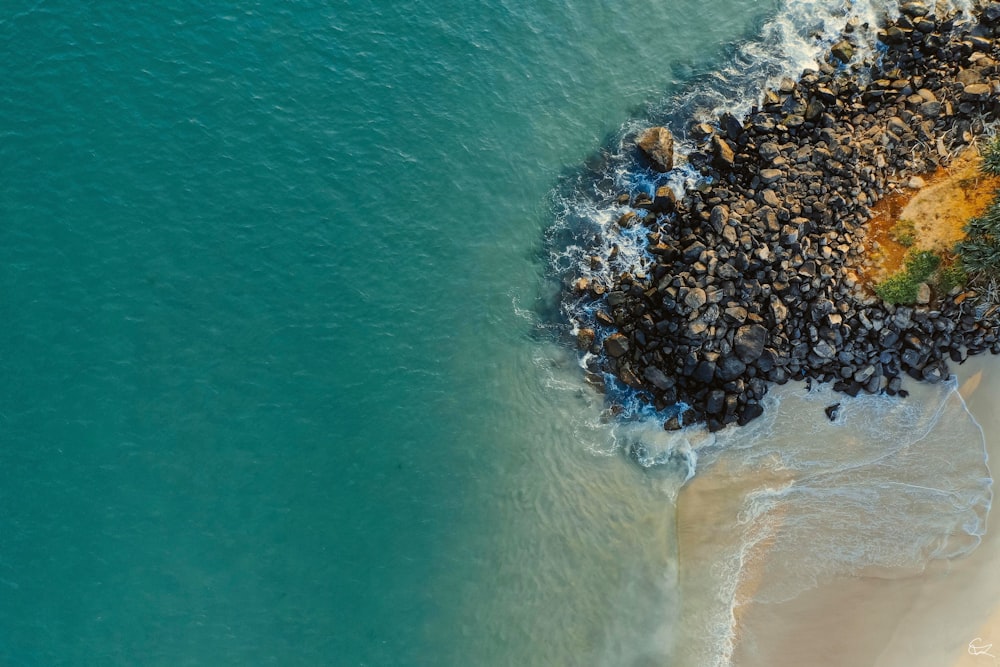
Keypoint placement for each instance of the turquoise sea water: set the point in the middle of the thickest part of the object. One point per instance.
(281, 383)
(268, 397)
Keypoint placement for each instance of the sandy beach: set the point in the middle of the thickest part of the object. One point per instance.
(949, 614)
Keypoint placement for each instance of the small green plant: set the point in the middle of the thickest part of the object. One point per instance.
(898, 288)
(950, 277)
(991, 157)
(921, 264)
(904, 232)
(903, 286)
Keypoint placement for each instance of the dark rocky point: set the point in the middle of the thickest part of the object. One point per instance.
(754, 278)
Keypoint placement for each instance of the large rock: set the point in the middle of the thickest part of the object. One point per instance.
(976, 92)
(658, 378)
(843, 51)
(769, 150)
(616, 345)
(923, 293)
(729, 368)
(715, 401)
(719, 217)
(723, 152)
(727, 271)
(768, 176)
(748, 344)
(695, 298)
(658, 145)
(914, 9)
(778, 309)
(665, 200)
(897, 126)
(704, 371)
(991, 13)
(825, 350)
(731, 125)
(750, 412)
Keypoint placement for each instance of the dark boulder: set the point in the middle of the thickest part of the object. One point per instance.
(665, 200)
(991, 13)
(729, 368)
(749, 342)
(704, 371)
(616, 345)
(722, 152)
(842, 51)
(750, 412)
(715, 402)
(658, 378)
(976, 92)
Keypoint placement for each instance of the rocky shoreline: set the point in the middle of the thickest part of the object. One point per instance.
(755, 279)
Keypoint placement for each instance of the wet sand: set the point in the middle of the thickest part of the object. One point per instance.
(947, 615)
(891, 617)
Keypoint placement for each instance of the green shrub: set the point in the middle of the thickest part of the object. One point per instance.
(902, 287)
(921, 265)
(979, 251)
(898, 288)
(991, 157)
(951, 277)
(979, 254)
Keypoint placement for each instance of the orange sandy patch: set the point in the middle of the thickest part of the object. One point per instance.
(938, 210)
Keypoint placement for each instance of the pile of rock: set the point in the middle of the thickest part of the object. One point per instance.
(753, 281)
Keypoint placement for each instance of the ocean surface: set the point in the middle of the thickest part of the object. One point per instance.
(286, 379)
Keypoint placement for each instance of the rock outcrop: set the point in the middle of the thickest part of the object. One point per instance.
(754, 277)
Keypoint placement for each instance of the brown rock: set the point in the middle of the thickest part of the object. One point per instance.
(658, 145)
(724, 155)
(768, 176)
(976, 92)
(842, 51)
(749, 342)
